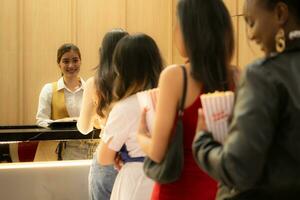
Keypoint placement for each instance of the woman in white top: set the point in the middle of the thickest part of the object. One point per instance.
(96, 101)
(137, 63)
(62, 99)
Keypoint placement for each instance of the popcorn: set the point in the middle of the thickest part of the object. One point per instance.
(217, 107)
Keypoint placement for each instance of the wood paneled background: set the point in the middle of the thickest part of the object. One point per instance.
(32, 31)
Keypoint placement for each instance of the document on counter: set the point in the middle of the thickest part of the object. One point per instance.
(69, 122)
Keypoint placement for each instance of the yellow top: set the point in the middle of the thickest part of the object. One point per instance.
(46, 150)
(58, 106)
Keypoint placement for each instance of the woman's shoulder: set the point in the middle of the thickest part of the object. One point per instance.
(172, 69)
(46, 91)
(90, 81)
(263, 69)
(128, 101)
(48, 87)
(90, 84)
(128, 105)
(171, 75)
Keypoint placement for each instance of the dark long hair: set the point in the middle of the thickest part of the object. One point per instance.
(138, 63)
(105, 75)
(208, 37)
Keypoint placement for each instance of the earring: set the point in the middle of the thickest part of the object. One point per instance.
(280, 40)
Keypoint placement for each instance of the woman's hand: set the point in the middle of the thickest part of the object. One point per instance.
(118, 162)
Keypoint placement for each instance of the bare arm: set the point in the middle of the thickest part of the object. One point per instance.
(106, 156)
(88, 108)
(170, 86)
(122, 121)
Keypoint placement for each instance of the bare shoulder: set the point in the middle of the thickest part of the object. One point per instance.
(90, 84)
(171, 74)
(170, 81)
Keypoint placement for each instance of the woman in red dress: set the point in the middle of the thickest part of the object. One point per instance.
(204, 37)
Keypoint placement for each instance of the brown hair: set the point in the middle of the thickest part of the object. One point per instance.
(137, 63)
(67, 48)
(105, 75)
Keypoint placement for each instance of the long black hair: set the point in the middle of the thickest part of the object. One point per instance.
(105, 75)
(138, 63)
(208, 37)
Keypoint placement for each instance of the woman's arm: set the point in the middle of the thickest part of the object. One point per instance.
(122, 121)
(170, 90)
(43, 114)
(106, 156)
(88, 108)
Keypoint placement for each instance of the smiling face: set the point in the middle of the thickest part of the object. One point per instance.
(70, 64)
(262, 24)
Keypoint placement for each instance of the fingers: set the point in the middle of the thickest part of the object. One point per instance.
(118, 163)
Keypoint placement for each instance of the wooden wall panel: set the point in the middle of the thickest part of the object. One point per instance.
(93, 20)
(236, 41)
(9, 60)
(154, 18)
(240, 6)
(232, 6)
(176, 57)
(47, 25)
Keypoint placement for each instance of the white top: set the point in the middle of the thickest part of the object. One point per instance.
(121, 126)
(72, 101)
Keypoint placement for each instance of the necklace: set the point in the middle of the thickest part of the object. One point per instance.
(294, 35)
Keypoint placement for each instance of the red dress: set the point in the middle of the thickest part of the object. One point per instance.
(193, 184)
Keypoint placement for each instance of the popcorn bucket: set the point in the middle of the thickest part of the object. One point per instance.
(217, 107)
